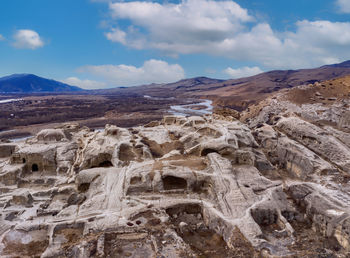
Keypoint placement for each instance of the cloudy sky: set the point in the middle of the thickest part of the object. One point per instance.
(102, 43)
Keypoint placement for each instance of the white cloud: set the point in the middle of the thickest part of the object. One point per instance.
(191, 21)
(318, 42)
(2, 37)
(242, 72)
(152, 71)
(28, 39)
(344, 6)
(117, 35)
(223, 28)
(85, 84)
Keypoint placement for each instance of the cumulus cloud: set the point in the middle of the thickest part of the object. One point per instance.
(27, 39)
(152, 71)
(344, 6)
(224, 28)
(85, 84)
(242, 72)
(117, 35)
(190, 22)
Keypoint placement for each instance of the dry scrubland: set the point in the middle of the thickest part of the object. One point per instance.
(35, 112)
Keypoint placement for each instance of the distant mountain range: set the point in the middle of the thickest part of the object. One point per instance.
(30, 83)
(235, 93)
(240, 93)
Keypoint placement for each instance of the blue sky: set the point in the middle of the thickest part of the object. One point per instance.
(101, 43)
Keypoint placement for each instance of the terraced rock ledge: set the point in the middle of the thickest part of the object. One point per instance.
(207, 186)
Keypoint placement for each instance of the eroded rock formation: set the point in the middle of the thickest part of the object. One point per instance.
(183, 187)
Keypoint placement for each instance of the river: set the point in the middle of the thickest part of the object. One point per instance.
(9, 100)
(188, 109)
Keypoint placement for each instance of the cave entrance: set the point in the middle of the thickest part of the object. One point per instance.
(103, 160)
(205, 152)
(173, 182)
(264, 217)
(35, 167)
(105, 164)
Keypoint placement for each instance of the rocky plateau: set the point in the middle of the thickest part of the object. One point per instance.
(274, 183)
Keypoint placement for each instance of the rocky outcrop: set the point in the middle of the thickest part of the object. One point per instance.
(184, 187)
(317, 140)
(295, 158)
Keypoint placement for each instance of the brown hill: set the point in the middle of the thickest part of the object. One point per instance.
(240, 93)
(323, 94)
(326, 92)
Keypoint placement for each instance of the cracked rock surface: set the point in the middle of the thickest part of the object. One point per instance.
(182, 187)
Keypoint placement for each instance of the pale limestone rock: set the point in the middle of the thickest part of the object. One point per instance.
(160, 189)
(51, 135)
(317, 140)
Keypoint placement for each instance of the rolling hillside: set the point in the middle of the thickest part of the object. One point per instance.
(240, 93)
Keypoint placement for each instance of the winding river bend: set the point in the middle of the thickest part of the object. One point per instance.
(204, 108)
